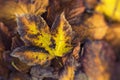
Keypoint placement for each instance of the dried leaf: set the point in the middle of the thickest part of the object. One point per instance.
(69, 70)
(62, 35)
(2, 46)
(20, 66)
(113, 37)
(4, 72)
(11, 8)
(54, 9)
(91, 4)
(110, 8)
(91, 29)
(16, 42)
(73, 11)
(98, 60)
(38, 72)
(97, 31)
(72, 8)
(5, 36)
(32, 55)
(19, 76)
(113, 34)
(76, 51)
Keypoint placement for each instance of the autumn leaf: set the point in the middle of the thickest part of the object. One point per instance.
(68, 72)
(62, 35)
(38, 34)
(34, 31)
(93, 27)
(110, 8)
(32, 55)
(12, 8)
(16, 42)
(20, 66)
(72, 9)
(98, 60)
(112, 35)
(91, 4)
(18, 76)
(43, 73)
(4, 71)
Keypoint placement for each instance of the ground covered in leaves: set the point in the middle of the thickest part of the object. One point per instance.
(59, 39)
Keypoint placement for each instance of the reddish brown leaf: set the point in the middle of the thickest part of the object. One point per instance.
(72, 8)
(4, 72)
(19, 76)
(16, 42)
(73, 11)
(68, 72)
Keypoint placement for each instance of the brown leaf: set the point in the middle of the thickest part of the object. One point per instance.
(69, 69)
(113, 37)
(76, 51)
(98, 60)
(11, 8)
(94, 27)
(20, 66)
(73, 11)
(2, 48)
(40, 73)
(32, 55)
(19, 76)
(113, 34)
(72, 8)
(4, 72)
(16, 42)
(91, 4)
(5, 36)
(54, 9)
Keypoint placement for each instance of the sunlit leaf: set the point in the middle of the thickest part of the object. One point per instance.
(32, 55)
(110, 8)
(62, 36)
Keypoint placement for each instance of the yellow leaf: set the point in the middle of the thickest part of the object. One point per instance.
(111, 8)
(34, 31)
(32, 55)
(62, 35)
